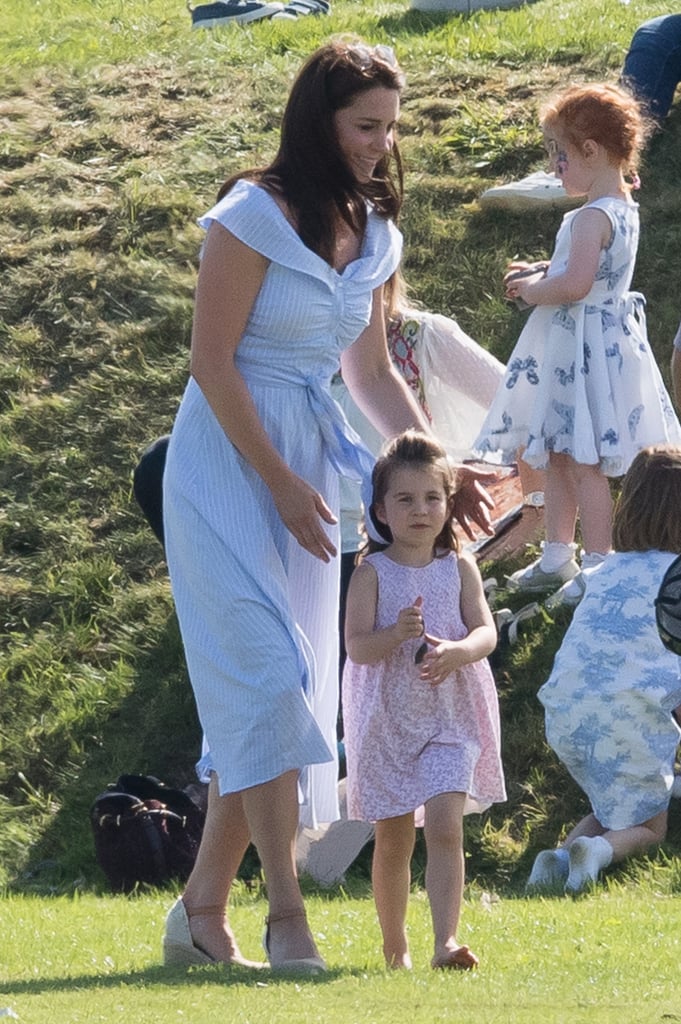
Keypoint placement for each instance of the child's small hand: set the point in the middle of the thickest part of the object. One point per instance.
(409, 623)
(439, 663)
(515, 267)
(519, 282)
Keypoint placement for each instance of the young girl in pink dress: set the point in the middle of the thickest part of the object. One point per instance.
(419, 702)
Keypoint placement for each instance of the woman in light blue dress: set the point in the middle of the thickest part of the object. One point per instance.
(613, 689)
(290, 286)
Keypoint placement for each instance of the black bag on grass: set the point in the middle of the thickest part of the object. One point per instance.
(145, 831)
(668, 608)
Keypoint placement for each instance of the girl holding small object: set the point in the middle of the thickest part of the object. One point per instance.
(419, 702)
(613, 691)
(582, 392)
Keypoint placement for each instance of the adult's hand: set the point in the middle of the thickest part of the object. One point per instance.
(472, 503)
(303, 510)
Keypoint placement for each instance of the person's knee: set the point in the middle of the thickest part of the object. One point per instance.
(444, 820)
(394, 839)
(657, 827)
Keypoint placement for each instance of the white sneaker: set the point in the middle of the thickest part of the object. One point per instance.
(534, 579)
(572, 592)
(534, 190)
(569, 595)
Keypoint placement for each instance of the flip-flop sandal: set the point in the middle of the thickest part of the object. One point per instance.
(461, 959)
(508, 625)
(491, 588)
(299, 8)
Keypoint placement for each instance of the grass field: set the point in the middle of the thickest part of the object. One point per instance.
(118, 125)
(611, 957)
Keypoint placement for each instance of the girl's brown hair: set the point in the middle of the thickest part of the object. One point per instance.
(309, 170)
(647, 514)
(607, 114)
(412, 450)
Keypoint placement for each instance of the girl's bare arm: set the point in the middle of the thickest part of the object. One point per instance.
(365, 644)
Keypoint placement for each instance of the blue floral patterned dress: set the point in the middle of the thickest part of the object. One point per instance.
(582, 379)
(612, 688)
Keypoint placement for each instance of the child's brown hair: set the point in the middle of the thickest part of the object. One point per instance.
(647, 514)
(412, 449)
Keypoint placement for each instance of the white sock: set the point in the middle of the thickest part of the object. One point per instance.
(550, 867)
(555, 554)
(588, 856)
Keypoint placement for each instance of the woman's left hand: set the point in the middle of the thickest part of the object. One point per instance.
(471, 502)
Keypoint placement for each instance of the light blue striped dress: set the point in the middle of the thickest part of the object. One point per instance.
(258, 614)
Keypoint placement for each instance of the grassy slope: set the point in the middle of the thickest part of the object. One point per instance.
(116, 131)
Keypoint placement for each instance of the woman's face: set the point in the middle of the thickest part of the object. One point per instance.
(366, 129)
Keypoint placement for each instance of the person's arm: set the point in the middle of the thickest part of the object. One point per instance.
(365, 644)
(230, 277)
(386, 400)
(591, 232)
(447, 656)
(676, 368)
(373, 382)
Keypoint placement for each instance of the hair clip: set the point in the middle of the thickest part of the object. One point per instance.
(635, 181)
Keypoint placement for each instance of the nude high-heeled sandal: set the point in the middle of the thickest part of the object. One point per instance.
(179, 948)
(300, 965)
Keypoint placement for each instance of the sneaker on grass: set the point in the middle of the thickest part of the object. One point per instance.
(528, 193)
(534, 579)
(227, 12)
(300, 8)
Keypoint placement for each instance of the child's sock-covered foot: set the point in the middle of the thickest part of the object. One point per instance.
(588, 856)
(550, 868)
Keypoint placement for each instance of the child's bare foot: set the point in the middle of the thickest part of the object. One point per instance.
(460, 958)
(400, 962)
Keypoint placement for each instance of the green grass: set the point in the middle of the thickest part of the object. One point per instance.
(119, 123)
(608, 957)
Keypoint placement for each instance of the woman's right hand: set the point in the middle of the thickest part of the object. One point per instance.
(303, 510)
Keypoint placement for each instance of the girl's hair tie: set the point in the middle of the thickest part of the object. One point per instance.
(635, 181)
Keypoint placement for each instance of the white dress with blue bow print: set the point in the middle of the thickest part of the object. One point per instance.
(582, 379)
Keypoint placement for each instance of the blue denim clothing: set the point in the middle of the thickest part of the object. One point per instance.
(652, 67)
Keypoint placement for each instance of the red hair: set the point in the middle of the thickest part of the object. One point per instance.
(607, 114)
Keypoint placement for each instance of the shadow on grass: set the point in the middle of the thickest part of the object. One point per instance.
(171, 977)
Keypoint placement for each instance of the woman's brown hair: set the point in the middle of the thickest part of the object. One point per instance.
(647, 514)
(309, 170)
